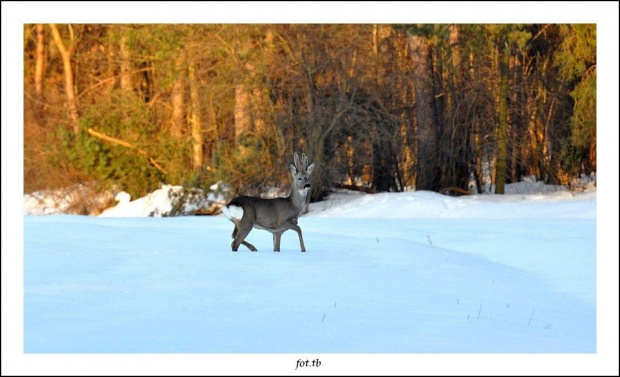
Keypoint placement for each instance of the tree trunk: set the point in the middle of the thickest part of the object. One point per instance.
(455, 47)
(260, 96)
(111, 52)
(212, 135)
(531, 152)
(243, 119)
(244, 125)
(315, 142)
(428, 171)
(514, 83)
(196, 125)
(259, 110)
(383, 131)
(475, 147)
(406, 131)
(125, 62)
(504, 71)
(592, 154)
(454, 88)
(40, 61)
(177, 100)
(65, 53)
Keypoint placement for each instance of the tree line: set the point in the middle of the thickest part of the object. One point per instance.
(377, 107)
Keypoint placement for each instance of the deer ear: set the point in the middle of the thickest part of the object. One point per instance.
(292, 168)
(310, 168)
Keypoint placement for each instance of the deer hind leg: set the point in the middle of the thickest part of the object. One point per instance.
(292, 224)
(276, 241)
(234, 233)
(239, 234)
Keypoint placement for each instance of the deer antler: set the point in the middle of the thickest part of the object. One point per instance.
(304, 162)
(296, 160)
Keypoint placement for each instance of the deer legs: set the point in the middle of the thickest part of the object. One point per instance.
(292, 224)
(239, 237)
(276, 241)
(241, 232)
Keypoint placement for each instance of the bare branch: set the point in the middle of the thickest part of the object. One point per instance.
(127, 145)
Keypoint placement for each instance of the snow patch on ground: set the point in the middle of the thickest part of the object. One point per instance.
(79, 199)
(168, 201)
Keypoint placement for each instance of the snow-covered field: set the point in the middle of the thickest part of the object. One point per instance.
(414, 272)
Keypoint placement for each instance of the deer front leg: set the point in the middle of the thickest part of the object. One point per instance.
(292, 224)
(276, 241)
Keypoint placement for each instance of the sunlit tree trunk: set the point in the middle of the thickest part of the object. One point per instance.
(177, 100)
(40, 60)
(454, 40)
(212, 133)
(260, 97)
(475, 149)
(243, 118)
(592, 154)
(124, 51)
(196, 126)
(428, 172)
(111, 52)
(65, 53)
(407, 131)
(259, 110)
(249, 110)
(514, 83)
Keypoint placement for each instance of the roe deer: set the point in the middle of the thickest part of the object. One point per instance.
(274, 215)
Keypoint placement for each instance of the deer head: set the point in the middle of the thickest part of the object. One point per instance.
(301, 173)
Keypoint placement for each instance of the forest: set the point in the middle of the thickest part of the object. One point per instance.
(377, 107)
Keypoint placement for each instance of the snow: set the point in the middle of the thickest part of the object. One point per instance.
(166, 201)
(424, 204)
(413, 272)
(605, 362)
(69, 200)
